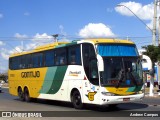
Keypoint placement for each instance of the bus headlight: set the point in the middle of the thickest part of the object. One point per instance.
(140, 92)
(107, 94)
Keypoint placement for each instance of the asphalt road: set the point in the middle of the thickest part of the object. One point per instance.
(12, 103)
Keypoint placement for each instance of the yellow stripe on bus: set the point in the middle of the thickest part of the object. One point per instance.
(119, 91)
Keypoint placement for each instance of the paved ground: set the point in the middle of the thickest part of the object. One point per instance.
(12, 103)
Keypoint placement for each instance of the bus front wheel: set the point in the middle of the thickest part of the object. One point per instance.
(20, 94)
(76, 100)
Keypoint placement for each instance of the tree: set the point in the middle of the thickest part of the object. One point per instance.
(153, 52)
(4, 77)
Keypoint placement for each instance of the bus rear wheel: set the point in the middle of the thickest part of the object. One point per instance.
(76, 100)
(20, 94)
(26, 95)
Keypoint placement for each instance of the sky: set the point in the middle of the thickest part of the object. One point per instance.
(25, 24)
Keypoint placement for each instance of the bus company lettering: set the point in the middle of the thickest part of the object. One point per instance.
(30, 74)
(75, 73)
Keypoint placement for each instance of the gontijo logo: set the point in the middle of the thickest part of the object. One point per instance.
(30, 74)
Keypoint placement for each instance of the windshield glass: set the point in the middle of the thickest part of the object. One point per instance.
(122, 71)
(122, 66)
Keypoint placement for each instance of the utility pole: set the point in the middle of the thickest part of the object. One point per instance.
(154, 23)
(159, 30)
(55, 37)
(158, 64)
(151, 91)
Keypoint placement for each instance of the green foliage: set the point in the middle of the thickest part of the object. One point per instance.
(3, 77)
(153, 52)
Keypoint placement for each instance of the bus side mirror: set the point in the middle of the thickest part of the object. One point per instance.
(100, 63)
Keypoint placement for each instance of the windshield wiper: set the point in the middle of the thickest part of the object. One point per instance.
(133, 79)
(120, 77)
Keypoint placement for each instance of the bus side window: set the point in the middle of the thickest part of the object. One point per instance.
(60, 56)
(23, 61)
(30, 64)
(74, 55)
(28, 61)
(37, 60)
(10, 63)
(41, 60)
(49, 58)
(14, 63)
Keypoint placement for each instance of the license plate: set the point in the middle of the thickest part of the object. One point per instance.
(126, 99)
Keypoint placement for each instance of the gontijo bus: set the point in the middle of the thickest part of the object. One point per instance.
(93, 71)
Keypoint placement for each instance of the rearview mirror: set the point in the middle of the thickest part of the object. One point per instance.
(100, 63)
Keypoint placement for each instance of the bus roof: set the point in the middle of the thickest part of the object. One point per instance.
(60, 44)
(109, 40)
(41, 48)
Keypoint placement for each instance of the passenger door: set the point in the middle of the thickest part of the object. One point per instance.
(91, 86)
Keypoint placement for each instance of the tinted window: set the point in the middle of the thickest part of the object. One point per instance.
(23, 62)
(14, 63)
(74, 55)
(90, 63)
(38, 60)
(29, 63)
(10, 63)
(60, 56)
(49, 58)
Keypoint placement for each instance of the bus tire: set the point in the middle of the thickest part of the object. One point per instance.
(20, 94)
(76, 100)
(26, 95)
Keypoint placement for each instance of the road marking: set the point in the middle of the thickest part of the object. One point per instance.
(154, 105)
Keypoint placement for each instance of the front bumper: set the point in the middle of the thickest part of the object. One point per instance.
(121, 99)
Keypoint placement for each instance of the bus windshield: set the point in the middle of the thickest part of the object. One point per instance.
(121, 68)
